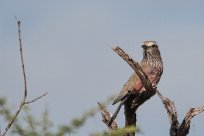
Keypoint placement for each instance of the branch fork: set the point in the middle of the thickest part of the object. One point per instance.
(24, 99)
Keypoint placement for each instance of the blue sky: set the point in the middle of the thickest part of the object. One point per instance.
(67, 53)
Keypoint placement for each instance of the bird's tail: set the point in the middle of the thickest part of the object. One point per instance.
(124, 99)
(116, 112)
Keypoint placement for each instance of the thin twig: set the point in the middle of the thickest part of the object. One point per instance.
(25, 84)
(31, 101)
(22, 61)
(13, 119)
(8, 117)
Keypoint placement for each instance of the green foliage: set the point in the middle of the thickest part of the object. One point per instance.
(30, 126)
(2, 101)
(76, 123)
(118, 132)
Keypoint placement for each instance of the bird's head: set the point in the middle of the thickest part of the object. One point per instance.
(150, 50)
(150, 47)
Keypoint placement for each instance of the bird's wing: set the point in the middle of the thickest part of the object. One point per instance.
(129, 86)
(134, 83)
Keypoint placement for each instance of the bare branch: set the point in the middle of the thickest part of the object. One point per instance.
(10, 123)
(31, 101)
(106, 116)
(177, 129)
(172, 113)
(170, 107)
(185, 125)
(24, 78)
(22, 61)
(12, 120)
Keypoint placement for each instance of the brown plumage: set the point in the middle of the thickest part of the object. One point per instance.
(151, 64)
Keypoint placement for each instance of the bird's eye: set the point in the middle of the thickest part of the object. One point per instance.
(144, 46)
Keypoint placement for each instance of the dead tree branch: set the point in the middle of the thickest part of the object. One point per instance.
(178, 129)
(114, 130)
(172, 113)
(185, 125)
(23, 102)
(106, 116)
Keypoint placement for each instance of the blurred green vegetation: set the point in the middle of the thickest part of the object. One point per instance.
(28, 125)
(118, 132)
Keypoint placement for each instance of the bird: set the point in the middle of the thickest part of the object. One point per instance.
(151, 64)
